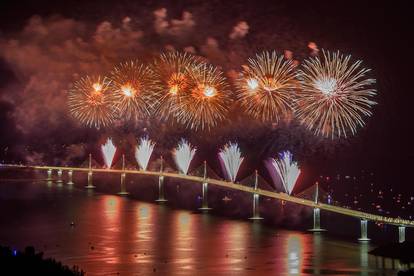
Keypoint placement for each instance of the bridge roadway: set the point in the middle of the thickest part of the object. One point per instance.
(239, 187)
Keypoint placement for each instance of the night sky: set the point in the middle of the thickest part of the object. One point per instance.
(41, 56)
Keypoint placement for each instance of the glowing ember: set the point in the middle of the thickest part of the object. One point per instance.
(327, 86)
(209, 91)
(252, 84)
(97, 87)
(128, 90)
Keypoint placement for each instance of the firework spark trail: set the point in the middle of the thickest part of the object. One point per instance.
(287, 169)
(91, 102)
(183, 154)
(172, 70)
(108, 151)
(231, 158)
(266, 87)
(143, 152)
(134, 86)
(208, 102)
(335, 95)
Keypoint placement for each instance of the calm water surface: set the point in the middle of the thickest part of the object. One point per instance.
(114, 235)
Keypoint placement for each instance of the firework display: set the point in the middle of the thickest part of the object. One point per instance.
(143, 152)
(172, 69)
(287, 169)
(108, 151)
(91, 102)
(183, 154)
(134, 87)
(208, 102)
(335, 95)
(330, 95)
(266, 87)
(231, 158)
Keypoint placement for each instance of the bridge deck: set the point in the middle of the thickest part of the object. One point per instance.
(234, 186)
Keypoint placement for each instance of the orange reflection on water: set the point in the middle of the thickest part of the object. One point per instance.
(144, 223)
(234, 237)
(295, 247)
(185, 243)
(110, 225)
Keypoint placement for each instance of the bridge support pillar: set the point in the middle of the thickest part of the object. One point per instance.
(204, 204)
(90, 184)
(401, 234)
(256, 213)
(59, 179)
(70, 177)
(364, 231)
(316, 221)
(161, 192)
(123, 185)
(49, 175)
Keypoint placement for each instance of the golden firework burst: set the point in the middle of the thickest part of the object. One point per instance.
(208, 100)
(335, 95)
(135, 87)
(91, 102)
(172, 70)
(266, 87)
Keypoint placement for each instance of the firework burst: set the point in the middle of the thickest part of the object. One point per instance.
(266, 86)
(183, 154)
(172, 70)
(287, 169)
(208, 100)
(230, 156)
(91, 102)
(143, 152)
(108, 151)
(134, 86)
(335, 95)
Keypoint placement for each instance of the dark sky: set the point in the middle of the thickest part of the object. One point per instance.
(378, 33)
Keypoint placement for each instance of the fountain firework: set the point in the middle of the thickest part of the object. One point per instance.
(183, 154)
(231, 157)
(287, 169)
(143, 152)
(108, 151)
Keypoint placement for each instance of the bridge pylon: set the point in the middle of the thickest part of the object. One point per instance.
(401, 234)
(364, 231)
(204, 204)
(256, 211)
(70, 177)
(90, 175)
(49, 175)
(123, 191)
(161, 189)
(59, 180)
(316, 213)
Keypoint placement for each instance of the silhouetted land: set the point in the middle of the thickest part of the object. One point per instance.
(29, 262)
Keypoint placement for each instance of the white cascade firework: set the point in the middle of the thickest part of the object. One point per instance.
(108, 151)
(231, 157)
(183, 154)
(143, 152)
(287, 169)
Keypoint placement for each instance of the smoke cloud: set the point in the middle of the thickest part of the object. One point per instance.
(240, 30)
(49, 53)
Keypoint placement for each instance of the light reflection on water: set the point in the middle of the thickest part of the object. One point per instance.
(118, 235)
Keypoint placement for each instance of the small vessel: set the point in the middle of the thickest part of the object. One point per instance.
(226, 199)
